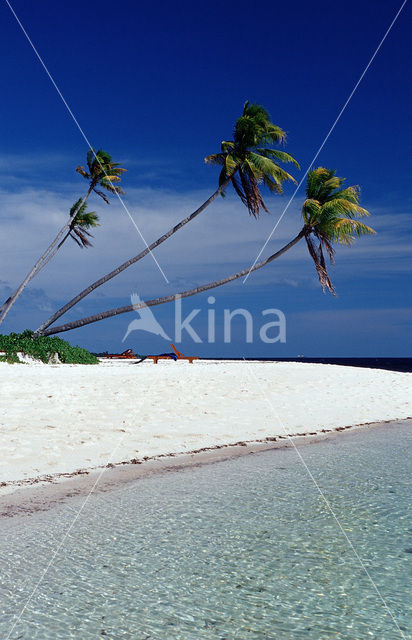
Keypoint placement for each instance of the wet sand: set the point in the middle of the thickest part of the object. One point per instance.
(42, 494)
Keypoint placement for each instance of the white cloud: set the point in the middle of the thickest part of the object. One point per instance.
(222, 240)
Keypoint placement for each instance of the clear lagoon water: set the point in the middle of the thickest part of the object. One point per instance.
(242, 549)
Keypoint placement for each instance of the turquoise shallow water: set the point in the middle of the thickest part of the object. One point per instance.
(244, 549)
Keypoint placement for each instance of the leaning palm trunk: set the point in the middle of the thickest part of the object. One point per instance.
(42, 329)
(43, 260)
(51, 255)
(184, 294)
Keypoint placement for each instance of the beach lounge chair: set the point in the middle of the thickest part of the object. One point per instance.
(162, 356)
(126, 355)
(176, 355)
(129, 355)
(180, 356)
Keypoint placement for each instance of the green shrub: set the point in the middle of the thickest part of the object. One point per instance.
(11, 359)
(43, 348)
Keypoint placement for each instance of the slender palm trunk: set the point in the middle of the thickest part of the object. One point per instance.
(128, 263)
(184, 294)
(42, 261)
(53, 253)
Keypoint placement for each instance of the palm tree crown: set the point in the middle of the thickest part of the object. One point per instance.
(81, 223)
(103, 172)
(330, 213)
(249, 158)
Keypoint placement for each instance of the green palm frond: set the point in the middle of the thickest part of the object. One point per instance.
(257, 112)
(97, 160)
(279, 155)
(273, 135)
(315, 179)
(351, 194)
(273, 185)
(345, 231)
(311, 210)
(329, 186)
(342, 207)
(216, 158)
(83, 217)
(106, 184)
(82, 221)
(231, 164)
(77, 208)
(227, 146)
(112, 178)
(266, 166)
(330, 214)
(87, 220)
(260, 163)
(247, 133)
(248, 156)
(82, 172)
(102, 171)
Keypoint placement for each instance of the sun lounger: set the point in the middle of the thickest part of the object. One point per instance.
(129, 355)
(126, 355)
(172, 356)
(180, 356)
(162, 356)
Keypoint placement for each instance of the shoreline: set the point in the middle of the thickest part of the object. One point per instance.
(34, 495)
(68, 422)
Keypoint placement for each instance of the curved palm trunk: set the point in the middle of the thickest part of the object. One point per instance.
(42, 261)
(184, 294)
(128, 263)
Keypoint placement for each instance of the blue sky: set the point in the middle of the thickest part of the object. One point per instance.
(159, 87)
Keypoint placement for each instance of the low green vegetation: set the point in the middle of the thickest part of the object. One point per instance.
(10, 359)
(42, 348)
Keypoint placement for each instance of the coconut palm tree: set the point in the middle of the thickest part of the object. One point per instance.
(329, 214)
(78, 230)
(103, 173)
(81, 223)
(245, 163)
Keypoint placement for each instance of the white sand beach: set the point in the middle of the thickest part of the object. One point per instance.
(61, 418)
